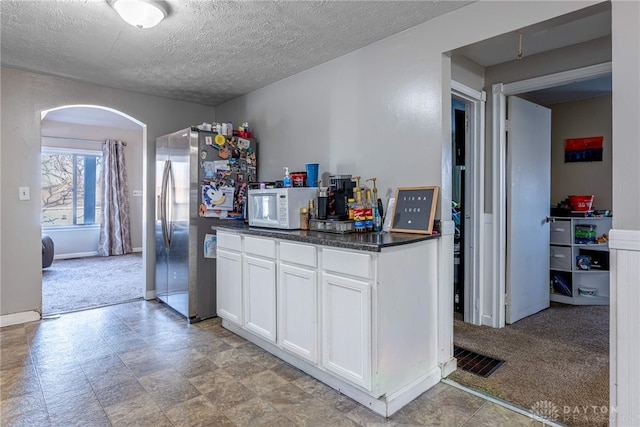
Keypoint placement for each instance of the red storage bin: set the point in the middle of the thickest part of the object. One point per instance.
(581, 203)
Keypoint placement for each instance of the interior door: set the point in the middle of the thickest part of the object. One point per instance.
(528, 199)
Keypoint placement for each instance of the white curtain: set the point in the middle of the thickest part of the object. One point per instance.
(115, 236)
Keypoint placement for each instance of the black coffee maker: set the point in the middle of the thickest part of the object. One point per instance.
(340, 191)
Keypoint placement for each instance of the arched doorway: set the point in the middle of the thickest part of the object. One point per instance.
(72, 137)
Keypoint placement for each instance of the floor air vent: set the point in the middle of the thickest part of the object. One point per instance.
(476, 363)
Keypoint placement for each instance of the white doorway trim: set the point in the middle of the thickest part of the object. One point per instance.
(474, 200)
(499, 92)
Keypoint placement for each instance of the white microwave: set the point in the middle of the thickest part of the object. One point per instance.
(278, 207)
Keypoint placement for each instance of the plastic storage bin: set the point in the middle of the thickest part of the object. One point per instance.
(585, 234)
(581, 203)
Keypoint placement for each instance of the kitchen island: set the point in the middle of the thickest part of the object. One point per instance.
(356, 311)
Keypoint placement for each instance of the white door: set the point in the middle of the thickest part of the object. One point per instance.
(346, 328)
(229, 286)
(528, 200)
(260, 296)
(297, 311)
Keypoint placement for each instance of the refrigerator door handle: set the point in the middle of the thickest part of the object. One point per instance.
(163, 204)
(170, 202)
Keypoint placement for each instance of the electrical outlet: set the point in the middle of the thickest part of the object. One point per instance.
(24, 193)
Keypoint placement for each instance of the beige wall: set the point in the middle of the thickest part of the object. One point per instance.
(589, 117)
(24, 95)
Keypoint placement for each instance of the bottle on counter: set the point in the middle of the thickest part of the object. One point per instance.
(304, 218)
(368, 211)
(377, 219)
(351, 204)
(313, 214)
(359, 216)
(323, 203)
(286, 180)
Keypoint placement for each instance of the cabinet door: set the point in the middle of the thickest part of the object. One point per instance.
(260, 297)
(346, 328)
(297, 308)
(229, 286)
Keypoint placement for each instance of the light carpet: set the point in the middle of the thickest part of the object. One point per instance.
(556, 360)
(79, 283)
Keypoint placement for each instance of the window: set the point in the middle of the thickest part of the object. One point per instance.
(71, 189)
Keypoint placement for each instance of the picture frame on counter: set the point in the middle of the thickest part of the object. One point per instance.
(415, 209)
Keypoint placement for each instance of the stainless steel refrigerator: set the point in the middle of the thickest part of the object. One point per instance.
(200, 177)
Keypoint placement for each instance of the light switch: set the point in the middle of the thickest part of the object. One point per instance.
(24, 193)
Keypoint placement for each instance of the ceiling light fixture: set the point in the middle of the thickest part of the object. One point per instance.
(140, 13)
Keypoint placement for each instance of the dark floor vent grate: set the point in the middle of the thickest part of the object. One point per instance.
(475, 363)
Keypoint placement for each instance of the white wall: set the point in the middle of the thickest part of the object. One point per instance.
(584, 118)
(625, 334)
(467, 72)
(24, 95)
(71, 241)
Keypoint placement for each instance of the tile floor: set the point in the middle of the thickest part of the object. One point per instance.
(141, 364)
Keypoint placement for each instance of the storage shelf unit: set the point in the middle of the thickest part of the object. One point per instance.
(564, 253)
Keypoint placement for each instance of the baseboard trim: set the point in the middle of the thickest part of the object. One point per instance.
(87, 254)
(76, 255)
(448, 367)
(149, 295)
(18, 318)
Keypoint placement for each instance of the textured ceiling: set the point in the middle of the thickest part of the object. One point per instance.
(206, 52)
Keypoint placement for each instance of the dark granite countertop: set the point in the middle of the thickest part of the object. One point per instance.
(372, 242)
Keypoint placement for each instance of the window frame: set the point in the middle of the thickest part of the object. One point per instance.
(75, 152)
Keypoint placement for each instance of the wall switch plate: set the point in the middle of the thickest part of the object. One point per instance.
(24, 194)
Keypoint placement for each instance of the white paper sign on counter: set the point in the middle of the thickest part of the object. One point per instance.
(210, 243)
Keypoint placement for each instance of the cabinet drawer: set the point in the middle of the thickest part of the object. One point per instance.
(229, 241)
(298, 254)
(262, 247)
(355, 264)
(560, 232)
(560, 258)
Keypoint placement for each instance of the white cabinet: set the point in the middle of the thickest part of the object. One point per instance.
(346, 328)
(260, 286)
(568, 252)
(346, 314)
(298, 314)
(365, 323)
(229, 285)
(298, 300)
(260, 296)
